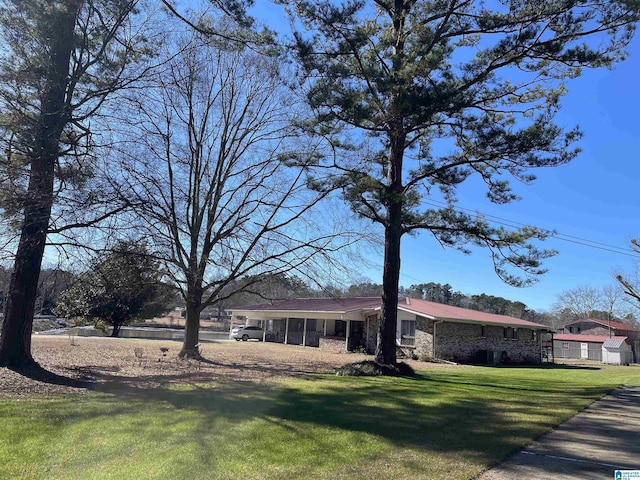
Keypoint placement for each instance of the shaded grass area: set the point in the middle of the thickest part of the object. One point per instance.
(438, 424)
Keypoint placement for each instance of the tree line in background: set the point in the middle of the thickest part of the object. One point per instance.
(126, 285)
(224, 147)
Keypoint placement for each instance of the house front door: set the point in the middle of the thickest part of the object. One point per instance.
(584, 350)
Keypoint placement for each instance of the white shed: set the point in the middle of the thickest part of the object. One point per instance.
(617, 351)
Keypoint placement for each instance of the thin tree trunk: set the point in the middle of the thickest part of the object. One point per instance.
(15, 343)
(116, 330)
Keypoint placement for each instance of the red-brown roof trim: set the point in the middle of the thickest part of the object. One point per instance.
(424, 308)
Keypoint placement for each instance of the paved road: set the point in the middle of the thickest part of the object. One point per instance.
(601, 439)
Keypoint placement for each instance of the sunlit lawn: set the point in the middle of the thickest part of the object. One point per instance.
(441, 424)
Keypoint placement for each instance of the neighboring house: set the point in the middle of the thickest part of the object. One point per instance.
(605, 328)
(594, 326)
(424, 328)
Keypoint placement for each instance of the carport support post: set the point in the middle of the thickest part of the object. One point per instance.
(325, 327)
(264, 330)
(346, 340)
(366, 336)
(304, 333)
(286, 332)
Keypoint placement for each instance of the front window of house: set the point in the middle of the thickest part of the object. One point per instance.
(510, 333)
(408, 336)
(483, 331)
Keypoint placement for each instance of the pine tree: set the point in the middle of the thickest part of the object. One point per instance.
(60, 61)
(416, 97)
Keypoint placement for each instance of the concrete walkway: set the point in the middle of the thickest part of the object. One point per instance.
(593, 444)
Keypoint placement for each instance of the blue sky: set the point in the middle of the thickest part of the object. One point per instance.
(595, 197)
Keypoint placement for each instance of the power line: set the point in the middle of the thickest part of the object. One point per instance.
(557, 235)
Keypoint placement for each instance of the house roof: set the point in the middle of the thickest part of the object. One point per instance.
(614, 342)
(577, 337)
(606, 323)
(316, 305)
(424, 308)
(449, 312)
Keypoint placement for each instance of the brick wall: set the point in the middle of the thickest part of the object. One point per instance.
(424, 337)
(461, 342)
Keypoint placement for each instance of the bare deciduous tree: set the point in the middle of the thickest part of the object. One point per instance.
(606, 303)
(207, 168)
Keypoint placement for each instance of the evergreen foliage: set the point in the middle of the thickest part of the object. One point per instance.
(121, 286)
(418, 97)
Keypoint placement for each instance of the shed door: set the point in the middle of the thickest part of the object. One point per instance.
(584, 350)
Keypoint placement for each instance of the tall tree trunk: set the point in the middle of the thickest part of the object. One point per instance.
(15, 342)
(192, 325)
(386, 347)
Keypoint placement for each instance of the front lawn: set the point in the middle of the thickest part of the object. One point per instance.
(449, 423)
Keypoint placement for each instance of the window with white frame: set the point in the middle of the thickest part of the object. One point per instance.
(408, 336)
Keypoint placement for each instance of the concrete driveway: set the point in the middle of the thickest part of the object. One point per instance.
(601, 439)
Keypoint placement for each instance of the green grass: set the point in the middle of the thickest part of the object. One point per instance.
(448, 423)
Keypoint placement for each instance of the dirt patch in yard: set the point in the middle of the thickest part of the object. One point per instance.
(102, 362)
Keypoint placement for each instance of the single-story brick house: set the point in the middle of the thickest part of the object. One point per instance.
(424, 328)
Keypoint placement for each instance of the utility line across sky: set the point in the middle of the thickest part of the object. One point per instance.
(554, 233)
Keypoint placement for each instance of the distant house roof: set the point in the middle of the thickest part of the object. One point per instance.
(606, 323)
(423, 308)
(577, 337)
(614, 342)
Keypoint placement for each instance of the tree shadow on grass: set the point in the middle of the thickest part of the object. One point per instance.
(547, 366)
(416, 413)
(40, 374)
(474, 416)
